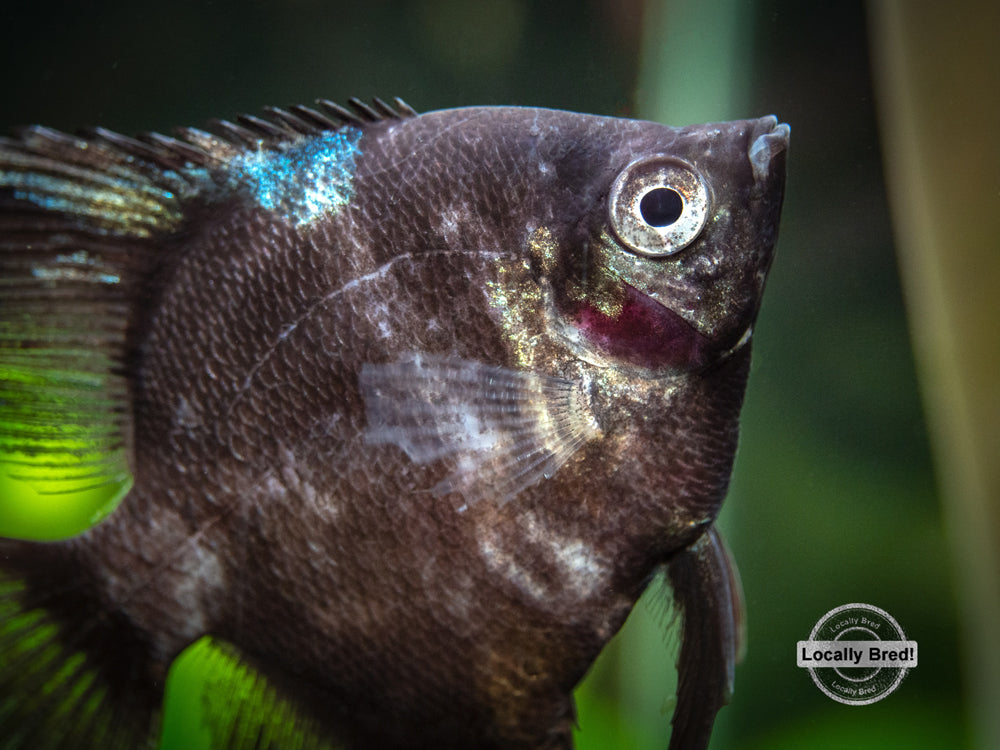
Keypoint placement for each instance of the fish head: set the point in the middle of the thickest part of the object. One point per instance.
(663, 267)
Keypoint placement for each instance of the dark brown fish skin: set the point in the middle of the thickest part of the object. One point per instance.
(261, 515)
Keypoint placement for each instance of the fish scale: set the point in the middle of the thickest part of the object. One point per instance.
(395, 417)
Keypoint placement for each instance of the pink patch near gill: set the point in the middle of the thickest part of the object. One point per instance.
(645, 333)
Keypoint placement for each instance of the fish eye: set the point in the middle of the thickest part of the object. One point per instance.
(661, 206)
(658, 205)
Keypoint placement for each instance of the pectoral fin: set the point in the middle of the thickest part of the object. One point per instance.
(501, 430)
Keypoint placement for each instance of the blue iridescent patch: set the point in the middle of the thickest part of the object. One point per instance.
(302, 180)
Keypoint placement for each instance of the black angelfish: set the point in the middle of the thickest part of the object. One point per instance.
(413, 408)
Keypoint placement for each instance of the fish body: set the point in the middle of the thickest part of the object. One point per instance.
(413, 407)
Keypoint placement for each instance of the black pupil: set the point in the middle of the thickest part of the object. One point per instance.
(661, 207)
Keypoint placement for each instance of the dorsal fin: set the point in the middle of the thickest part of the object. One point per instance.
(281, 123)
(196, 148)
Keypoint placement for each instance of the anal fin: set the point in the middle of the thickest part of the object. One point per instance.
(237, 706)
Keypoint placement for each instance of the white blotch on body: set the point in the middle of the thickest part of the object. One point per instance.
(579, 565)
(505, 563)
(581, 571)
(451, 221)
(186, 415)
(203, 573)
(380, 316)
(289, 483)
(167, 578)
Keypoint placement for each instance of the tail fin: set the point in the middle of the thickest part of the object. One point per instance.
(76, 218)
(76, 221)
(79, 221)
(73, 673)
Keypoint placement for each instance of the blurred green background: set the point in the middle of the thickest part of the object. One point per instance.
(835, 496)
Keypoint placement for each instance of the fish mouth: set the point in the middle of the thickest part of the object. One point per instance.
(766, 148)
